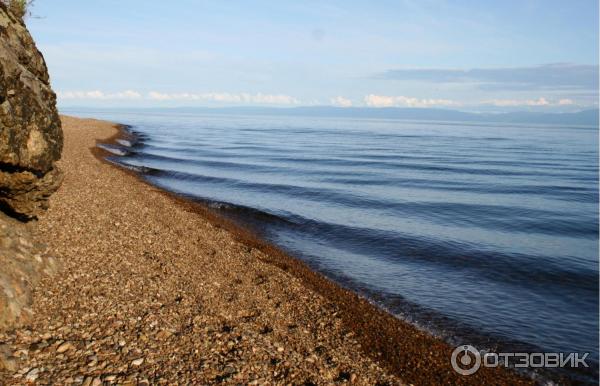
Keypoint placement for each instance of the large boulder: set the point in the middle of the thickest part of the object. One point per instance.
(31, 137)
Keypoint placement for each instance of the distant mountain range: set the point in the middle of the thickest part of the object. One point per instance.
(587, 118)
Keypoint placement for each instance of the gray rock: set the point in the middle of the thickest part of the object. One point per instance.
(31, 137)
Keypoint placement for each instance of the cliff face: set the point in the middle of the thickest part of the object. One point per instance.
(30, 132)
(30, 142)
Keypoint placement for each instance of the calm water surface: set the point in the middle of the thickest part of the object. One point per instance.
(482, 234)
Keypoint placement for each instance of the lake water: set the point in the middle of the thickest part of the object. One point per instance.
(481, 234)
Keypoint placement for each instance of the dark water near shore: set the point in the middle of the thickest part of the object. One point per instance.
(482, 234)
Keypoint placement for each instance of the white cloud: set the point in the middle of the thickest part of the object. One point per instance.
(159, 96)
(242, 98)
(340, 101)
(565, 102)
(259, 98)
(538, 102)
(97, 94)
(527, 102)
(128, 94)
(372, 100)
(272, 99)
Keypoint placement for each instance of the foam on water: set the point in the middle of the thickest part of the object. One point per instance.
(116, 150)
(124, 142)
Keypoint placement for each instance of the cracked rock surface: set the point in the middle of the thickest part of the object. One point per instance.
(30, 129)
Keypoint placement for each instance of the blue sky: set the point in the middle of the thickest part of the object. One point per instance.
(468, 55)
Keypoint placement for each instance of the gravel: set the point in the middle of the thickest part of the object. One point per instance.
(154, 290)
(151, 293)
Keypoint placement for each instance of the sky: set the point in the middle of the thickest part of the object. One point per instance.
(468, 55)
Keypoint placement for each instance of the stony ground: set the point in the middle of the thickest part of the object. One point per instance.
(150, 293)
(22, 264)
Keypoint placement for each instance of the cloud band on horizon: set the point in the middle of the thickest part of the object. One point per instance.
(370, 100)
(258, 98)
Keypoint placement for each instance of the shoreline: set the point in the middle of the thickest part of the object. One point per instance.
(383, 336)
(156, 289)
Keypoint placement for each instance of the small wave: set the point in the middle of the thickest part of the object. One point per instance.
(124, 142)
(245, 214)
(114, 149)
(117, 161)
(485, 216)
(395, 247)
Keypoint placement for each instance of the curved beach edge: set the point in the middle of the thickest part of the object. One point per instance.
(413, 355)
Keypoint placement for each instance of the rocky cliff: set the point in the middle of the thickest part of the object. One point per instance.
(30, 132)
(30, 143)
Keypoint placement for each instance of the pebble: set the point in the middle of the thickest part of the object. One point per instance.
(229, 370)
(137, 362)
(32, 375)
(64, 347)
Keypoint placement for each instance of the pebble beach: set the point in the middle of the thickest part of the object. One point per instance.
(153, 289)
